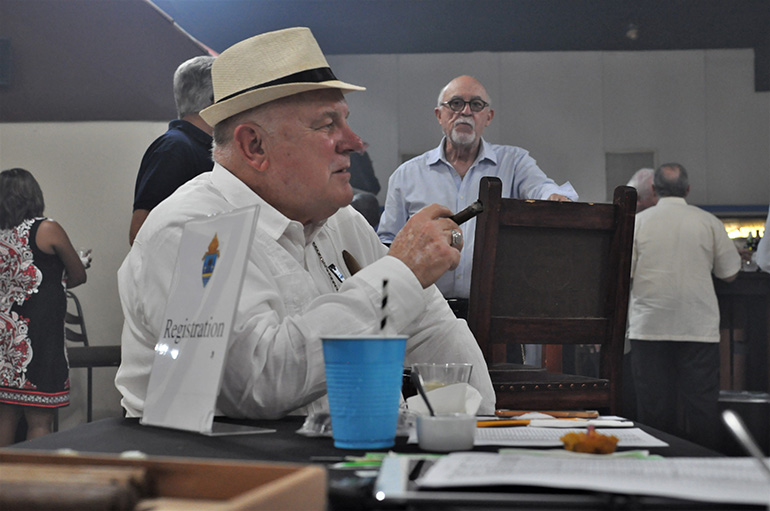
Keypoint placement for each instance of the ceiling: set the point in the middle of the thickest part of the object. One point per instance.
(440, 26)
(436, 26)
(88, 60)
(113, 59)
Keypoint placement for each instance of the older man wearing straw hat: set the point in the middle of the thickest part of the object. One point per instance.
(282, 141)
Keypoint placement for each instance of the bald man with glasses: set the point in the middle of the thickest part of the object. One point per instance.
(450, 175)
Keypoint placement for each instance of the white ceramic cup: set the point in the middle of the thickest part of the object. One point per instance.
(446, 433)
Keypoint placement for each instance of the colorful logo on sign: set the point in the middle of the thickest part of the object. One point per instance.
(210, 260)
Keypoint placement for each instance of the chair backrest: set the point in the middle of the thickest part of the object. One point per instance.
(74, 324)
(553, 273)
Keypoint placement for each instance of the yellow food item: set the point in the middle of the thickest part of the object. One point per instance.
(590, 442)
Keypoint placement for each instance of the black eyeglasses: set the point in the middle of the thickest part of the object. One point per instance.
(458, 104)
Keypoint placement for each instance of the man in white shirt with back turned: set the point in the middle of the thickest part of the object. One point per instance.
(673, 311)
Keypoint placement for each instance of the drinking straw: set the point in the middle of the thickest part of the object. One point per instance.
(383, 305)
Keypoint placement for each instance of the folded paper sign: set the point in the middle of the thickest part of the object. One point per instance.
(454, 398)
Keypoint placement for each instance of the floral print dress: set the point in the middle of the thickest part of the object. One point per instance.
(33, 362)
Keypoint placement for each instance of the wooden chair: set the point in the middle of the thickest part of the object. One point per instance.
(552, 273)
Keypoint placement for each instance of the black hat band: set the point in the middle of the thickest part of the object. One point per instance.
(317, 75)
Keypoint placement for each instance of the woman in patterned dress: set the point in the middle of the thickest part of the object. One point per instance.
(37, 264)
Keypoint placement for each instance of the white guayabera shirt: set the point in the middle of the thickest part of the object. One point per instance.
(677, 247)
(274, 364)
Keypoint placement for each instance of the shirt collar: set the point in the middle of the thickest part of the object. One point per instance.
(485, 153)
(270, 220)
(672, 200)
(191, 130)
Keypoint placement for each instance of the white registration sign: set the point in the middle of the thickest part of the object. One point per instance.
(191, 349)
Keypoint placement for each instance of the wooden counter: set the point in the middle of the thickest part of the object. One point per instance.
(744, 307)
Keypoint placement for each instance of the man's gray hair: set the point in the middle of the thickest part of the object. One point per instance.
(223, 134)
(642, 179)
(671, 180)
(264, 115)
(443, 90)
(192, 85)
(441, 95)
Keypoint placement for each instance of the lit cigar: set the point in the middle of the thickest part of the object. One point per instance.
(458, 218)
(468, 213)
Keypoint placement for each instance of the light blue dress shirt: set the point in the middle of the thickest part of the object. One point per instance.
(429, 178)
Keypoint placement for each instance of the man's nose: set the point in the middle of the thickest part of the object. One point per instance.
(351, 142)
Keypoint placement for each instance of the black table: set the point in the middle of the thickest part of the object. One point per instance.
(116, 435)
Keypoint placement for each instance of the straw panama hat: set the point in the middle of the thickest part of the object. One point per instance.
(267, 67)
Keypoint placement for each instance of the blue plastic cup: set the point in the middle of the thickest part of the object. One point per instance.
(363, 381)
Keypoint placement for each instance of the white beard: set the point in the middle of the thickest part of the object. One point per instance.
(462, 139)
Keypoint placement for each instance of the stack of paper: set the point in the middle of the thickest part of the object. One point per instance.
(728, 480)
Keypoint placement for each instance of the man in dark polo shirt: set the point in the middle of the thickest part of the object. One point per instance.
(184, 151)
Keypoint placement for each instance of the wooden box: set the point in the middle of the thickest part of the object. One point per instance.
(178, 483)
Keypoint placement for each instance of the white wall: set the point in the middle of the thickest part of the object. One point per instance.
(695, 107)
(87, 173)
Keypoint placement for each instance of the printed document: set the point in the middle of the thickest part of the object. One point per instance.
(724, 480)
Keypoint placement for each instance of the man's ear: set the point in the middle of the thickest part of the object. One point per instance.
(250, 143)
(491, 116)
